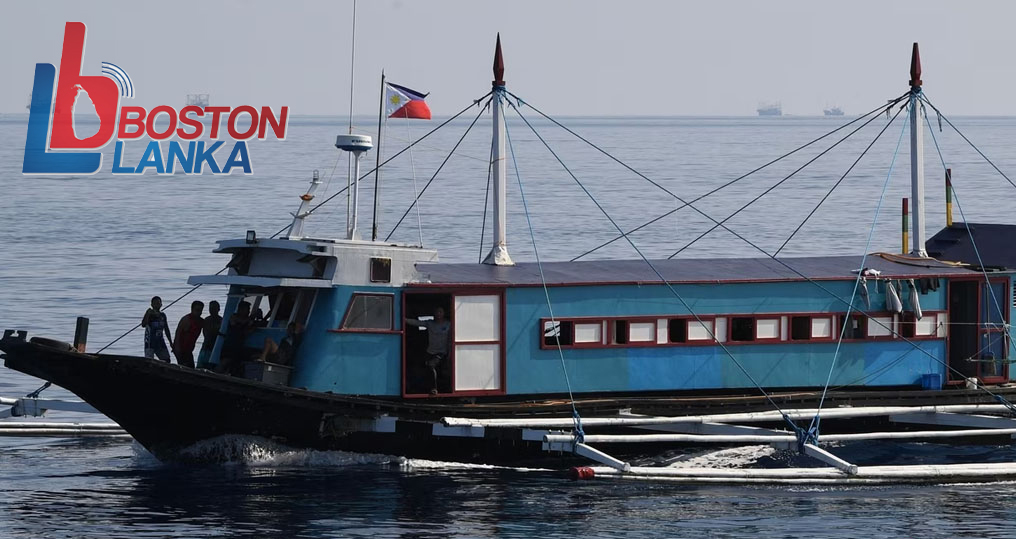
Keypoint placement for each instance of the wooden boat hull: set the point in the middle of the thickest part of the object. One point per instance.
(168, 408)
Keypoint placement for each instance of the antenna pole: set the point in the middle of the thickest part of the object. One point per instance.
(377, 168)
(498, 255)
(917, 154)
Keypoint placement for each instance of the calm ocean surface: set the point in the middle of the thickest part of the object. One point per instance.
(102, 245)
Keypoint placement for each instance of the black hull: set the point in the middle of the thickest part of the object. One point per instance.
(168, 408)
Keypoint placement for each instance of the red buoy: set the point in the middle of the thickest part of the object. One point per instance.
(581, 472)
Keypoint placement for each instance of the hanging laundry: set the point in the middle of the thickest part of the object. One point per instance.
(864, 294)
(892, 299)
(915, 300)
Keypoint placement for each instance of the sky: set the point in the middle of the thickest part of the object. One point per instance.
(593, 57)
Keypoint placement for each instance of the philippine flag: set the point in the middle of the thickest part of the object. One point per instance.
(401, 102)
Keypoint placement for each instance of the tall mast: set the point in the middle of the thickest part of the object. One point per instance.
(377, 168)
(917, 154)
(498, 255)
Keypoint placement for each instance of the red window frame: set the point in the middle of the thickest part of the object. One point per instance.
(349, 307)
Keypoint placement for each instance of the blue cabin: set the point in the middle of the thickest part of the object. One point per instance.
(616, 328)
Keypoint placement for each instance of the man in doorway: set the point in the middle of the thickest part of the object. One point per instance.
(210, 329)
(187, 332)
(437, 341)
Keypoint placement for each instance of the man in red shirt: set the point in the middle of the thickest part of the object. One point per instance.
(187, 333)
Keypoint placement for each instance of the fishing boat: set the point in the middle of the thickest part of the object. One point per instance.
(770, 109)
(833, 111)
(541, 359)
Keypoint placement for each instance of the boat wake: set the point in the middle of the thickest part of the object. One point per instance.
(259, 452)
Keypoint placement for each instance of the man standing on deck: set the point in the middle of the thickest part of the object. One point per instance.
(187, 332)
(210, 329)
(155, 325)
(437, 341)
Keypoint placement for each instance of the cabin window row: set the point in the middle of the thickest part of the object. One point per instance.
(760, 328)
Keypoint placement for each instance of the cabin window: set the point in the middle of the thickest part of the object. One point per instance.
(369, 312)
(800, 328)
(558, 332)
(822, 327)
(882, 326)
(853, 328)
(642, 331)
(589, 333)
(700, 330)
(380, 270)
(620, 332)
(742, 328)
(767, 329)
(677, 330)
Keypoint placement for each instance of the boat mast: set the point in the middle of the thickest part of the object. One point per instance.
(377, 168)
(498, 255)
(917, 154)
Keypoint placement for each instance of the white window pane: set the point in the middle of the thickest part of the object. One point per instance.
(943, 325)
(876, 329)
(821, 328)
(721, 329)
(477, 366)
(925, 326)
(477, 318)
(767, 328)
(699, 331)
(589, 332)
(642, 331)
(661, 331)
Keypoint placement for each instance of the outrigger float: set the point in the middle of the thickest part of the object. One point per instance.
(561, 363)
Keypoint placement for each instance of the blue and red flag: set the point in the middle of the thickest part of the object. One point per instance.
(401, 102)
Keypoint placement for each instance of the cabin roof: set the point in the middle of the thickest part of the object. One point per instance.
(689, 270)
(994, 244)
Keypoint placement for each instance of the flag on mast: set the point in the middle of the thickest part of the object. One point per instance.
(401, 102)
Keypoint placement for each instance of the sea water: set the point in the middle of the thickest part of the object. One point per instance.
(100, 246)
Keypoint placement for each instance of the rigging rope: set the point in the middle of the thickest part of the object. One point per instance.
(386, 161)
(775, 185)
(663, 280)
(877, 110)
(436, 172)
(837, 184)
(817, 284)
(486, 201)
(816, 421)
(412, 162)
(579, 433)
(315, 208)
(972, 145)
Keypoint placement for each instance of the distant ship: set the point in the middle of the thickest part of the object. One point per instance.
(833, 111)
(197, 100)
(770, 109)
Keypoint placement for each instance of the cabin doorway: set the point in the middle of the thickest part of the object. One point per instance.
(474, 343)
(978, 341)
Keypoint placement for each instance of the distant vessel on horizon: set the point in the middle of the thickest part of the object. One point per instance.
(833, 111)
(197, 100)
(770, 109)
